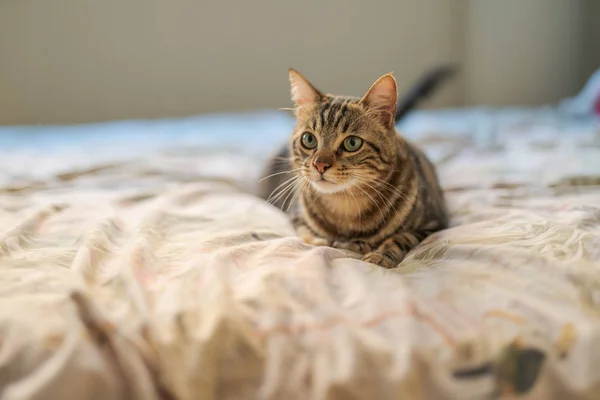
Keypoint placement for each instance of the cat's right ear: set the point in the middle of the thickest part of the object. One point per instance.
(304, 93)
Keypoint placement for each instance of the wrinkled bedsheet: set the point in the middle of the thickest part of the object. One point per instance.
(136, 263)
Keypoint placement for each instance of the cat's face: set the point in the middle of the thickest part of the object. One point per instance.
(343, 144)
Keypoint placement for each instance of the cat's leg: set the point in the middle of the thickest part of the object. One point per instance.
(392, 251)
(305, 233)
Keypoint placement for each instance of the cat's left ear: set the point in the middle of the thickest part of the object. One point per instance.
(304, 94)
(382, 97)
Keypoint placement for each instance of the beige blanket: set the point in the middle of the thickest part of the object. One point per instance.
(163, 277)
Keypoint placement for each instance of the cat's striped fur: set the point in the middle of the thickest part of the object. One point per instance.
(379, 200)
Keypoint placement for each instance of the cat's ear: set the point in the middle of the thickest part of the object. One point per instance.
(382, 98)
(303, 92)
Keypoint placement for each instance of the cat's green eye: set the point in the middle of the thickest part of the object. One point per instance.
(309, 140)
(352, 143)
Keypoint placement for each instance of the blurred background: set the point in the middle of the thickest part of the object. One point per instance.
(73, 61)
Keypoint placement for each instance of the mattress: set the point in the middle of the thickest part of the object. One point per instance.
(137, 263)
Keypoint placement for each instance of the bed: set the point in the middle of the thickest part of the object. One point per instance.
(137, 263)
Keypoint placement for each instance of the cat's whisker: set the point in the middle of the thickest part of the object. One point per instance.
(292, 193)
(378, 192)
(280, 173)
(277, 195)
(402, 196)
(299, 191)
(282, 193)
(372, 199)
(391, 187)
(274, 191)
(280, 196)
(381, 195)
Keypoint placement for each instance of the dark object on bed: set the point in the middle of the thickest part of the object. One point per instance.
(423, 89)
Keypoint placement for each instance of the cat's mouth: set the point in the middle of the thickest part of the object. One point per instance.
(326, 186)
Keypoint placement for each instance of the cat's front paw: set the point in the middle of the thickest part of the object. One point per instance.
(357, 246)
(380, 259)
(315, 240)
(308, 237)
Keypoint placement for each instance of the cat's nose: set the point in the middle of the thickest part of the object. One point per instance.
(322, 164)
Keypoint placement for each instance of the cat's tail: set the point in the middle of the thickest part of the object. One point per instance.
(422, 89)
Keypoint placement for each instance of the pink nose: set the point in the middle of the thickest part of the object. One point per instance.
(322, 166)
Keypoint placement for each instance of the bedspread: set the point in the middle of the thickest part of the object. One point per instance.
(136, 263)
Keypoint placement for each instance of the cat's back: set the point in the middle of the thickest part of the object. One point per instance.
(425, 167)
(431, 193)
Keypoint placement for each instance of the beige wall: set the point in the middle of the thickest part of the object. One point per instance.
(523, 52)
(591, 36)
(67, 61)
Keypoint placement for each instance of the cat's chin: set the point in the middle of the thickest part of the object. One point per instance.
(327, 187)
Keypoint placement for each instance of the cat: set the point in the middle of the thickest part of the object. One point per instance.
(349, 180)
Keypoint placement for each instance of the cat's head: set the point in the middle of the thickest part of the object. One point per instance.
(343, 143)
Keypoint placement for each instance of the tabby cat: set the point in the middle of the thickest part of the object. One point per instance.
(349, 180)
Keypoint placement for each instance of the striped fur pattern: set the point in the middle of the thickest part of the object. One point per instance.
(349, 180)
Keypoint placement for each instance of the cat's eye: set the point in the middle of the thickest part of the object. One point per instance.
(309, 140)
(352, 143)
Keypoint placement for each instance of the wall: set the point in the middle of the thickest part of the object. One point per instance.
(523, 52)
(591, 37)
(69, 61)
(81, 60)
